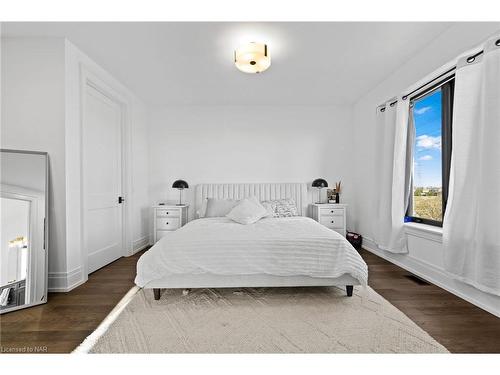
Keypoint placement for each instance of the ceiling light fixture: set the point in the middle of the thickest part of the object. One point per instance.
(252, 57)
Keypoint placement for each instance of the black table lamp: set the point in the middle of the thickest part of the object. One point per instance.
(180, 185)
(319, 183)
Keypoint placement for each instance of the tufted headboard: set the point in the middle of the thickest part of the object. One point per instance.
(265, 191)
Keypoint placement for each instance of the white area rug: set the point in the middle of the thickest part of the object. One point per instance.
(262, 320)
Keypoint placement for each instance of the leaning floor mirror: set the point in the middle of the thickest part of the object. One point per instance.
(23, 229)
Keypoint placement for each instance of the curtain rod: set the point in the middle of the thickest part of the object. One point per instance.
(470, 60)
(382, 106)
(404, 97)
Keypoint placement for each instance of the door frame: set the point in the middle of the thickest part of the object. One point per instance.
(89, 79)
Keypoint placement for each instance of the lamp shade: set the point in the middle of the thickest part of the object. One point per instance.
(180, 184)
(319, 183)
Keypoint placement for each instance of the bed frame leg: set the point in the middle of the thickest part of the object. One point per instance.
(156, 292)
(349, 289)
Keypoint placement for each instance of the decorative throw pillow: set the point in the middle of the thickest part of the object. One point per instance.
(248, 211)
(219, 207)
(281, 207)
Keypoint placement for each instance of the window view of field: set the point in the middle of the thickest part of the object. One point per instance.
(427, 203)
(427, 178)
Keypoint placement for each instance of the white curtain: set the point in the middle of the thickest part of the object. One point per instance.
(389, 192)
(410, 148)
(471, 228)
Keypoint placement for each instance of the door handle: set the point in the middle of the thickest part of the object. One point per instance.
(121, 200)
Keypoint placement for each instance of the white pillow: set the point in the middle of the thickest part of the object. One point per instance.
(203, 209)
(248, 211)
(219, 207)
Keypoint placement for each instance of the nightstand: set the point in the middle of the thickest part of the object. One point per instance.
(331, 215)
(167, 218)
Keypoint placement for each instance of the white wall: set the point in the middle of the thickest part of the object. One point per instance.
(425, 255)
(209, 144)
(141, 215)
(40, 109)
(33, 119)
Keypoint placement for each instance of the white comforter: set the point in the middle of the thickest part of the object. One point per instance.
(295, 246)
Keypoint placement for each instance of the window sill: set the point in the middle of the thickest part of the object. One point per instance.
(425, 231)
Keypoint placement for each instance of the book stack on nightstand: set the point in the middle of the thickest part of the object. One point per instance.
(331, 215)
(167, 218)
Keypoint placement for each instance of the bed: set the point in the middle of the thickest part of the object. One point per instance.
(273, 252)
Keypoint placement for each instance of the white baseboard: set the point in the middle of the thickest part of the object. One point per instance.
(439, 277)
(140, 244)
(65, 281)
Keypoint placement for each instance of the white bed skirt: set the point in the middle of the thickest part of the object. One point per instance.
(246, 281)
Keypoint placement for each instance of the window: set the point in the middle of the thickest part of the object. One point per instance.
(431, 147)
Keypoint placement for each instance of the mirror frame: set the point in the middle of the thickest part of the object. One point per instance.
(45, 230)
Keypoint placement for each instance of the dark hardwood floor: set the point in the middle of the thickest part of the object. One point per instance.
(64, 322)
(457, 324)
(61, 324)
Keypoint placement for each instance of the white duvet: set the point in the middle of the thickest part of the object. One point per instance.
(295, 246)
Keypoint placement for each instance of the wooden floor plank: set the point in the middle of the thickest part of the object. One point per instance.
(64, 322)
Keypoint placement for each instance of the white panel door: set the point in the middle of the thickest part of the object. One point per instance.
(102, 175)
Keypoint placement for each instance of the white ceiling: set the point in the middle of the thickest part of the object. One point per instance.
(192, 63)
